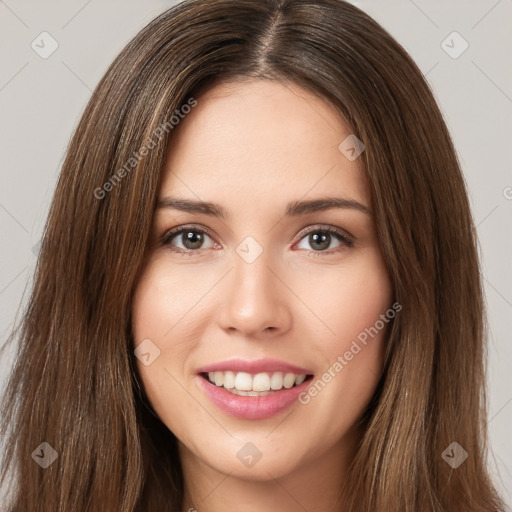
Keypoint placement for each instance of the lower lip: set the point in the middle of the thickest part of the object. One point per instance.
(252, 407)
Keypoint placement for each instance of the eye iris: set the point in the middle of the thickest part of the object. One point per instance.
(320, 241)
(192, 240)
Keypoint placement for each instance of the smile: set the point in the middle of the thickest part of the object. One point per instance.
(261, 384)
(253, 389)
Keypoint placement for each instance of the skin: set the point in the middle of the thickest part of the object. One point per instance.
(253, 147)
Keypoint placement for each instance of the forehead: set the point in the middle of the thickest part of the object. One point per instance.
(261, 141)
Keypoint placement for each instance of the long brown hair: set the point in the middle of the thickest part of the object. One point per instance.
(74, 384)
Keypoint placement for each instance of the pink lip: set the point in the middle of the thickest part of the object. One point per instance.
(253, 367)
(251, 407)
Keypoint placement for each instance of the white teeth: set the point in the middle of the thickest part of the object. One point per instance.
(245, 384)
(289, 380)
(261, 382)
(300, 379)
(219, 378)
(276, 381)
(243, 381)
(250, 393)
(229, 380)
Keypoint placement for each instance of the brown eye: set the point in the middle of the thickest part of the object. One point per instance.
(192, 240)
(187, 239)
(320, 240)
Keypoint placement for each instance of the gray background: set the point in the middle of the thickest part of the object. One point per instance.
(41, 101)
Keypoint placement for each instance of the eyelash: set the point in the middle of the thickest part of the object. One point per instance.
(337, 233)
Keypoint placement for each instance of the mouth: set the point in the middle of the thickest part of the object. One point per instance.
(254, 385)
(253, 390)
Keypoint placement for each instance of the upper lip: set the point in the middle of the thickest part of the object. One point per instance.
(254, 367)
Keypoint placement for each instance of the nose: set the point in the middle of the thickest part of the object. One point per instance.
(255, 301)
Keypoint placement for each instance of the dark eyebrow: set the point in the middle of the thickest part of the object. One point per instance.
(293, 209)
(189, 205)
(314, 205)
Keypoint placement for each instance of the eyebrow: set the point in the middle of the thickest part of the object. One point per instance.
(293, 208)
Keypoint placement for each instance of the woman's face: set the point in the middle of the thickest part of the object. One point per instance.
(266, 288)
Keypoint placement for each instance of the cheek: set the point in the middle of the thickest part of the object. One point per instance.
(158, 303)
(167, 307)
(159, 310)
(340, 393)
(356, 305)
(346, 299)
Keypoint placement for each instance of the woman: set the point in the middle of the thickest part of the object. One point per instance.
(258, 284)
